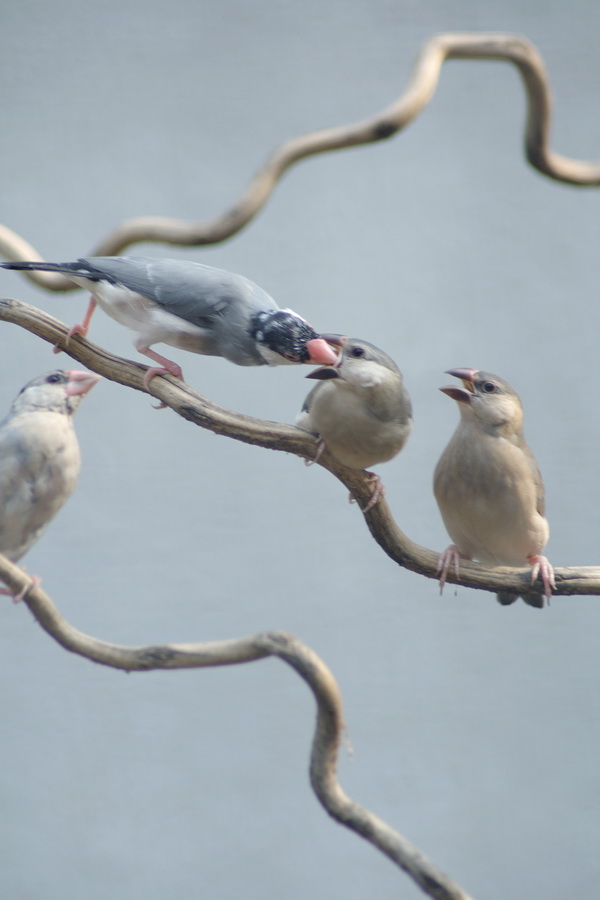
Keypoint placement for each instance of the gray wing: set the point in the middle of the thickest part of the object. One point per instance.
(304, 419)
(540, 503)
(195, 292)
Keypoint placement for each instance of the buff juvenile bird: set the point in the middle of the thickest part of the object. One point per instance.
(361, 411)
(39, 457)
(488, 485)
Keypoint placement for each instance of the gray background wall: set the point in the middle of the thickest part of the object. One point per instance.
(475, 728)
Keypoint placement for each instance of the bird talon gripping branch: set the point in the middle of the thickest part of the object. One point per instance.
(378, 491)
(320, 448)
(449, 557)
(542, 566)
(35, 582)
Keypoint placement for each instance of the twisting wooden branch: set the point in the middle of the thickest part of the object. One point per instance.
(275, 436)
(422, 85)
(329, 727)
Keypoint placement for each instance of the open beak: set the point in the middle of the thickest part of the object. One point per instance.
(331, 340)
(81, 382)
(321, 352)
(323, 374)
(465, 393)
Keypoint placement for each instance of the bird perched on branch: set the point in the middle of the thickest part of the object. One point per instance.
(39, 457)
(488, 485)
(361, 412)
(192, 307)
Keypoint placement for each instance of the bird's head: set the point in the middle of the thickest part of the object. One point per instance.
(282, 336)
(59, 391)
(487, 398)
(360, 364)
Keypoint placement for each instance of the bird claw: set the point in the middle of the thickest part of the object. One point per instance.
(79, 328)
(155, 370)
(169, 368)
(378, 491)
(451, 555)
(320, 448)
(35, 582)
(542, 567)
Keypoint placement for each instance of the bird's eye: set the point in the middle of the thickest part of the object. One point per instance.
(488, 387)
(54, 378)
(357, 352)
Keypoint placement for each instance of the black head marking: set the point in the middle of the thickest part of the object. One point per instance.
(283, 332)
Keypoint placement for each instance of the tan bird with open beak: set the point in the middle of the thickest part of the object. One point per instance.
(488, 485)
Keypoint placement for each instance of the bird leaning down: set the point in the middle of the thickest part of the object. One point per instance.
(488, 485)
(39, 458)
(192, 307)
(361, 412)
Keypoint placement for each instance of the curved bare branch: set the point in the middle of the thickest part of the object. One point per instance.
(329, 727)
(275, 436)
(422, 85)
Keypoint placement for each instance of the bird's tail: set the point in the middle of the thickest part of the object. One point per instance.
(63, 268)
(536, 600)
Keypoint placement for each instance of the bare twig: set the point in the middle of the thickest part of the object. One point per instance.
(274, 436)
(422, 85)
(329, 726)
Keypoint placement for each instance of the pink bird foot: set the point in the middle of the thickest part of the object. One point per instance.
(378, 491)
(320, 448)
(35, 582)
(81, 328)
(543, 568)
(450, 557)
(168, 367)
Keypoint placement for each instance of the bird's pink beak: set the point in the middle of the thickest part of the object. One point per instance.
(468, 375)
(464, 394)
(321, 350)
(81, 382)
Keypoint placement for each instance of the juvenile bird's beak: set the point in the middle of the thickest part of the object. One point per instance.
(320, 351)
(332, 340)
(81, 382)
(461, 395)
(467, 376)
(323, 374)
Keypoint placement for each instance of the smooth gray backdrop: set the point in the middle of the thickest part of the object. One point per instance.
(475, 728)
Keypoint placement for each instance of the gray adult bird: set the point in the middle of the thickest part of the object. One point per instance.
(193, 307)
(39, 457)
(488, 485)
(361, 411)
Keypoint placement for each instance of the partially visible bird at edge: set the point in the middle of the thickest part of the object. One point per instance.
(39, 458)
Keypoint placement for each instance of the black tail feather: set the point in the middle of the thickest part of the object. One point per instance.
(81, 267)
(65, 268)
